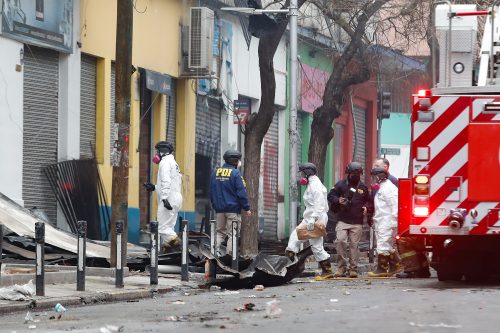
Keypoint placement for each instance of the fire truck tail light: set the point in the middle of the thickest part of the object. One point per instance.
(421, 189)
(425, 116)
(423, 230)
(423, 153)
(424, 93)
(424, 103)
(422, 179)
(421, 211)
(421, 200)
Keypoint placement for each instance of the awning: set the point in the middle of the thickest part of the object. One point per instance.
(161, 83)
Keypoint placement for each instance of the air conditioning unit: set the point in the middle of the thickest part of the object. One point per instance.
(201, 34)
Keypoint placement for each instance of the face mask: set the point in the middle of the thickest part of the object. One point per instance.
(239, 164)
(354, 178)
(303, 181)
(156, 159)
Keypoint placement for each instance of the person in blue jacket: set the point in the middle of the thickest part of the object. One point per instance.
(228, 195)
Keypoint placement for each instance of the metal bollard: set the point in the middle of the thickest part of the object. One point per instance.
(1, 248)
(119, 268)
(184, 266)
(213, 249)
(82, 255)
(40, 254)
(153, 269)
(235, 247)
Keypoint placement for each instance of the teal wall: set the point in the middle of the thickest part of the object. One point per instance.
(396, 130)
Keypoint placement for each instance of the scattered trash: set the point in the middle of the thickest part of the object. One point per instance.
(410, 290)
(332, 310)
(175, 318)
(272, 308)
(252, 296)
(245, 307)
(31, 327)
(28, 318)
(214, 288)
(259, 287)
(59, 308)
(440, 325)
(334, 300)
(227, 292)
(178, 302)
(111, 329)
(346, 292)
(187, 294)
(18, 292)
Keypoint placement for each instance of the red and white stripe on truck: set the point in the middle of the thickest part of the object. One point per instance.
(455, 166)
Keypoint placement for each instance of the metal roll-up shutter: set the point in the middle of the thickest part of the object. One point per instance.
(208, 128)
(114, 128)
(171, 114)
(270, 181)
(40, 127)
(87, 105)
(359, 141)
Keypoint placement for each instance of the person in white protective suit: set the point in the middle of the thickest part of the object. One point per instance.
(168, 191)
(386, 223)
(316, 208)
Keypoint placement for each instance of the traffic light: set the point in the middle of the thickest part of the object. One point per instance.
(385, 105)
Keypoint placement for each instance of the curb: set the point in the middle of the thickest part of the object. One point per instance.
(90, 299)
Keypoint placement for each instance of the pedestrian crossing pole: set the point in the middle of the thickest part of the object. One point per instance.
(213, 249)
(40, 254)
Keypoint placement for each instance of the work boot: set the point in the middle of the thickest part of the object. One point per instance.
(341, 272)
(290, 255)
(395, 264)
(353, 273)
(382, 267)
(326, 270)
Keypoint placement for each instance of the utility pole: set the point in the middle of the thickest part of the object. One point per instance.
(120, 153)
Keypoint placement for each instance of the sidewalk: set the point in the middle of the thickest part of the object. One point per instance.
(97, 290)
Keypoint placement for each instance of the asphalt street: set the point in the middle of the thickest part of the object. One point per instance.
(386, 305)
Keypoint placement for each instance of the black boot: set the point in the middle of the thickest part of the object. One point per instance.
(382, 267)
(395, 264)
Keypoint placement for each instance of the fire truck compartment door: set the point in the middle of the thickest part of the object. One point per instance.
(484, 162)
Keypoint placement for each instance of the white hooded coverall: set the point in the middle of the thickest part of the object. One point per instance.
(386, 217)
(168, 186)
(316, 211)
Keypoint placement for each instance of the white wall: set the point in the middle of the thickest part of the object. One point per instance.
(399, 163)
(69, 96)
(11, 120)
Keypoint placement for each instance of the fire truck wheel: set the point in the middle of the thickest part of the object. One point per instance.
(447, 273)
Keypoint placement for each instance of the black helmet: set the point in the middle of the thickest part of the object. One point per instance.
(232, 155)
(308, 169)
(380, 173)
(164, 147)
(354, 167)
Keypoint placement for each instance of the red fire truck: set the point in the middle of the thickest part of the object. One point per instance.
(452, 198)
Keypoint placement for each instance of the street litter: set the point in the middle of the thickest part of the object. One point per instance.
(18, 292)
(175, 318)
(31, 327)
(346, 292)
(59, 308)
(28, 318)
(440, 325)
(259, 287)
(245, 307)
(227, 292)
(332, 310)
(178, 302)
(409, 290)
(214, 288)
(111, 329)
(334, 300)
(252, 296)
(272, 308)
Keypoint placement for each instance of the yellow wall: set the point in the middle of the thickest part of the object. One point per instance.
(156, 43)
